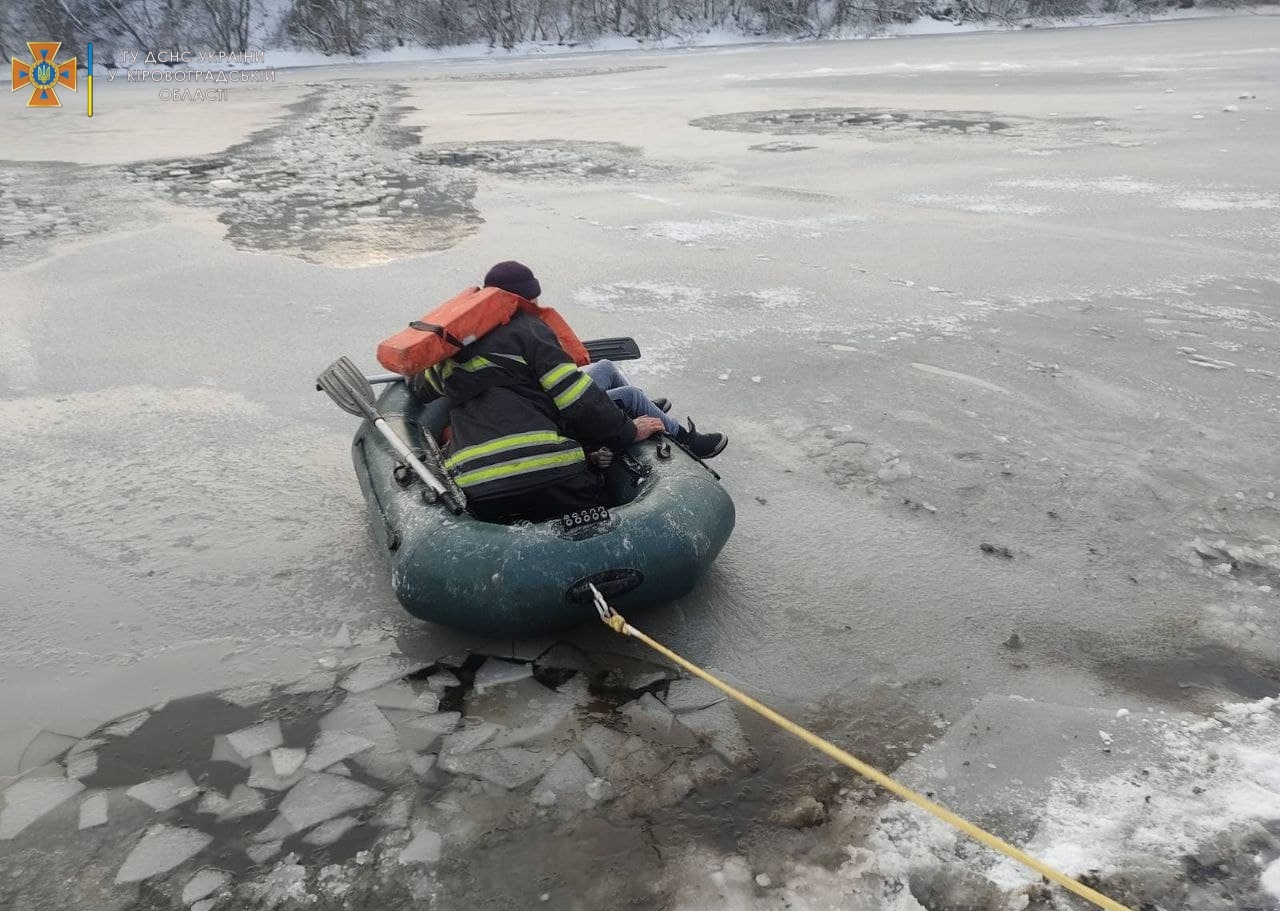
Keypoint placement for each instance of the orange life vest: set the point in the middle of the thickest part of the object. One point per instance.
(461, 320)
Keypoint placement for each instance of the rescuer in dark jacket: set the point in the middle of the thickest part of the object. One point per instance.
(521, 414)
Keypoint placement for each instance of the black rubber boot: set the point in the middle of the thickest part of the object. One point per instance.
(702, 445)
(664, 405)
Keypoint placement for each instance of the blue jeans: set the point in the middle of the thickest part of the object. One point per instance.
(631, 399)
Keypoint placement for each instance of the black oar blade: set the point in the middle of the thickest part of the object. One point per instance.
(343, 382)
(614, 349)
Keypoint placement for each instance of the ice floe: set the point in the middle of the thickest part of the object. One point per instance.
(161, 849)
(165, 792)
(320, 796)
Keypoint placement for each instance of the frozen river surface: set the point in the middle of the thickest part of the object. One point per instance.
(992, 321)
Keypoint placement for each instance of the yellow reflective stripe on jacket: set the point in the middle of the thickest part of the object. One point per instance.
(430, 374)
(471, 366)
(573, 393)
(503, 444)
(555, 375)
(519, 467)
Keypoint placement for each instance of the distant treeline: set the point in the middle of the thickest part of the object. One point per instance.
(356, 26)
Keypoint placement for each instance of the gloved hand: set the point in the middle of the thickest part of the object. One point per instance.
(602, 458)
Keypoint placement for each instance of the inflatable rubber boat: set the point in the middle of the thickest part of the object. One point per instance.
(667, 520)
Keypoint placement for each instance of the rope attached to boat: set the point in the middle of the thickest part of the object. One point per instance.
(619, 625)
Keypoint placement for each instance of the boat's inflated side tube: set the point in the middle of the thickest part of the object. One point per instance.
(531, 579)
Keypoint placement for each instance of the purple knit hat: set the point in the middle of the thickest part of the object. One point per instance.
(514, 277)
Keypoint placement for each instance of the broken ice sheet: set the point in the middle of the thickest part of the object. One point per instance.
(375, 672)
(89, 743)
(285, 760)
(127, 726)
(262, 774)
(211, 802)
(328, 832)
(341, 639)
(249, 695)
(93, 810)
(649, 718)
(275, 831)
(564, 656)
(603, 745)
(441, 680)
(400, 695)
(263, 852)
(319, 797)
(689, 694)
(204, 884)
(244, 801)
(509, 767)
(165, 792)
(315, 682)
(44, 747)
(421, 765)
(567, 781)
(398, 809)
(254, 741)
(425, 847)
(471, 737)
(718, 726)
(223, 752)
(420, 734)
(82, 765)
(496, 672)
(532, 713)
(159, 851)
(334, 746)
(357, 715)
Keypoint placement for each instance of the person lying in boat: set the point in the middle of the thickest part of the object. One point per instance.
(521, 413)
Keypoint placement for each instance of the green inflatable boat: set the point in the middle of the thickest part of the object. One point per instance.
(669, 519)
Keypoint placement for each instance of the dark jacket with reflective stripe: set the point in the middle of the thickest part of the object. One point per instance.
(521, 411)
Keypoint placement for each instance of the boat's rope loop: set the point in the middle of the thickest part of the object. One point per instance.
(619, 625)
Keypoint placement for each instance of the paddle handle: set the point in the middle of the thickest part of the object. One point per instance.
(412, 460)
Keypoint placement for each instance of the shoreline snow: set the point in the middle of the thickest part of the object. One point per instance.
(711, 40)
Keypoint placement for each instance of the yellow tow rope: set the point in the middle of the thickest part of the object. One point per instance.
(619, 625)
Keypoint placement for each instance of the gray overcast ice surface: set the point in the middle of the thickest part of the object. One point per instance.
(992, 321)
